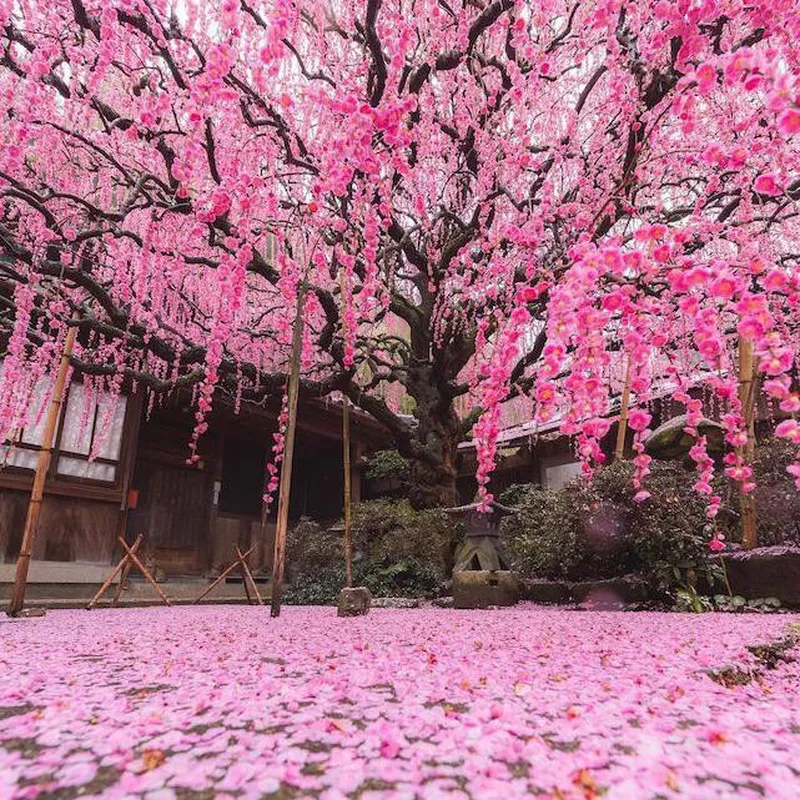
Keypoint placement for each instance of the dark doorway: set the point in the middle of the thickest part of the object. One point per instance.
(242, 477)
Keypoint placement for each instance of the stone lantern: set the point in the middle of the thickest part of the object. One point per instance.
(481, 575)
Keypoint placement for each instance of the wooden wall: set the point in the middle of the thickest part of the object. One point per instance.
(228, 532)
(70, 529)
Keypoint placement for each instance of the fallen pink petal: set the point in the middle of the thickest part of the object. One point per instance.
(524, 702)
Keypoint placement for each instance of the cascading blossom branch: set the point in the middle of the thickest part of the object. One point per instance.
(534, 198)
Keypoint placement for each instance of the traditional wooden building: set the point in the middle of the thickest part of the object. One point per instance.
(117, 469)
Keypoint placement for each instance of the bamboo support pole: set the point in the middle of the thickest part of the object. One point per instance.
(348, 541)
(747, 503)
(40, 477)
(224, 574)
(622, 428)
(247, 575)
(348, 494)
(143, 569)
(124, 567)
(284, 490)
(122, 580)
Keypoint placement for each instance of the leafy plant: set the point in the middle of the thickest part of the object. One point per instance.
(387, 465)
(688, 600)
(596, 530)
(777, 499)
(397, 551)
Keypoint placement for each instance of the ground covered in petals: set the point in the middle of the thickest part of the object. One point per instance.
(430, 703)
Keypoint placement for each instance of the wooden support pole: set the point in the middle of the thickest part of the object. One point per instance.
(122, 580)
(124, 566)
(348, 493)
(143, 569)
(348, 541)
(247, 575)
(747, 503)
(622, 428)
(284, 490)
(40, 476)
(121, 524)
(224, 574)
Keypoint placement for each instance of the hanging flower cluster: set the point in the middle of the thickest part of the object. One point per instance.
(526, 199)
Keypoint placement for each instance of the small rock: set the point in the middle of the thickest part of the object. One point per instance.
(26, 613)
(395, 602)
(443, 602)
(354, 602)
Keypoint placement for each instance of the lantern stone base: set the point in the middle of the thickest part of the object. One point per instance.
(484, 588)
(354, 602)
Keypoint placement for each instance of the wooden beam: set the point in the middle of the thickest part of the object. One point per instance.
(40, 477)
(348, 496)
(224, 574)
(284, 490)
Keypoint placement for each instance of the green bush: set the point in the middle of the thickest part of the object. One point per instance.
(542, 537)
(777, 498)
(396, 551)
(595, 530)
(387, 465)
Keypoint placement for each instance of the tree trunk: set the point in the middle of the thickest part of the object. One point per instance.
(432, 486)
(434, 465)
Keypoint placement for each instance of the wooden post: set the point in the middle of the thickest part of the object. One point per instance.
(348, 494)
(224, 574)
(143, 569)
(247, 575)
(284, 490)
(42, 466)
(124, 567)
(747, 503)
(348, 542)
(622, 428)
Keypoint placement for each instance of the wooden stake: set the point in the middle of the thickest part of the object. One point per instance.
(246, 575)
(124, 566)
(284, 490)
(747, 503)
(143, 569)
(622, 428)
(42, 466)
(122, 579)
(224, 574)
(348, 542)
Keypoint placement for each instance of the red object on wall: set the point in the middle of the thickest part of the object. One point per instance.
(133, 498)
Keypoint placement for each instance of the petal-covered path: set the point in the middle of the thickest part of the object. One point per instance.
(430, 703)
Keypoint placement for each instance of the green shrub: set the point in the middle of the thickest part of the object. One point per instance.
(396, 551)
(543, 537)
(387, 465)
(777, 498)
(515, 494)
(592, 530)
(389, 530)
